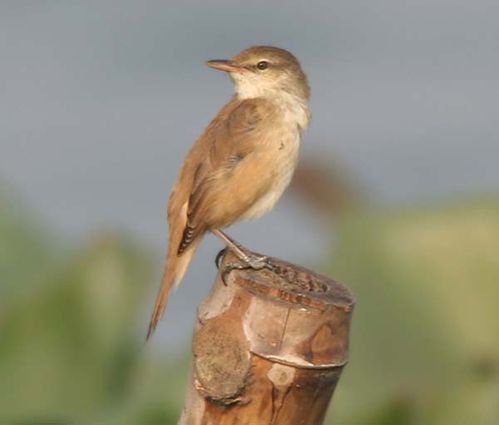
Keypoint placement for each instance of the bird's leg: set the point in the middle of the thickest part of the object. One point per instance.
(251, 260)
(247, 258)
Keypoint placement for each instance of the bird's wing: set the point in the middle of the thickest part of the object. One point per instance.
(232, 147)
(220, 178)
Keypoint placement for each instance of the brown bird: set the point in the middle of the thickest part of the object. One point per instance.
(243, 161)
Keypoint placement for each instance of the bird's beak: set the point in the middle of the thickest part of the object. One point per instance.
(225, 65)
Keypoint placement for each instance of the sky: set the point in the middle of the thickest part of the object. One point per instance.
(100, 100)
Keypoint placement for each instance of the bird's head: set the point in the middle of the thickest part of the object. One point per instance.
(265, 71)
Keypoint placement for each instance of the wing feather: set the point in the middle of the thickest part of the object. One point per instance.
(230, 144)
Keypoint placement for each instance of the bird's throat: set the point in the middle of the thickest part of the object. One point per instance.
(295, 109)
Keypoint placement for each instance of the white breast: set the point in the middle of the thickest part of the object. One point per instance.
(284, 164)
(284, 145)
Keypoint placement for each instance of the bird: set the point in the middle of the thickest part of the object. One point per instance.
(241, 164)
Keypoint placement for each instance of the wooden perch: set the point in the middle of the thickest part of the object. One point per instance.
(268, 347)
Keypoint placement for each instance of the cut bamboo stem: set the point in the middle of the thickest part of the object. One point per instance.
(268, 348)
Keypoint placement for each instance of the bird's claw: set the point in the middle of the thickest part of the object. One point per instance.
(219, 258)
(251, 261)
(256, 262)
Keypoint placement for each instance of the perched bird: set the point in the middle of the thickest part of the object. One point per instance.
(243, 161)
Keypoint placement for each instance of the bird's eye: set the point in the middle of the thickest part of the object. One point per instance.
(262, 65)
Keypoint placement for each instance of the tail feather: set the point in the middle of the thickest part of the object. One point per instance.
(176, 266)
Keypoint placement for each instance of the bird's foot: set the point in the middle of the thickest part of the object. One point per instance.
(248, 261)
(256, 262)
(251, 260)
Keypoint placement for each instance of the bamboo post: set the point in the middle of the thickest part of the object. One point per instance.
(268, 347)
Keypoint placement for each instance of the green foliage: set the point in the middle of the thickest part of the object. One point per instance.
(425, 333)
(426, 283)
(71, 349)
(23, 253)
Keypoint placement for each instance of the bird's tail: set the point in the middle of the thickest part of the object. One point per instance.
(175, 268)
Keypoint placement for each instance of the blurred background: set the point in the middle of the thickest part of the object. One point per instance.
(396, 196)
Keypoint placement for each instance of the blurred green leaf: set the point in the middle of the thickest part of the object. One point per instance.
(426, 283)
(425, 334)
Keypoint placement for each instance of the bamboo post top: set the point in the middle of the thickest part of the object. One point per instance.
(294, 284)
(290, 316)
